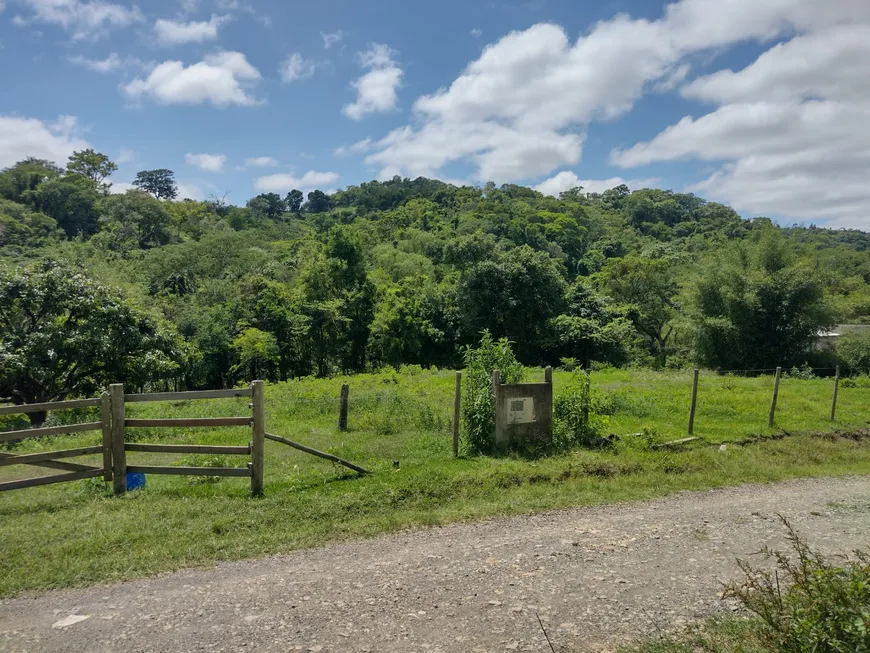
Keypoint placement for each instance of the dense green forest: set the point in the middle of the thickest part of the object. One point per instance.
(140, 287)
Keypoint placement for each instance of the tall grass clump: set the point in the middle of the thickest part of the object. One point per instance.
(478, 401)
(809, 603)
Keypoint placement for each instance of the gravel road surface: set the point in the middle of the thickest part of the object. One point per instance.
(598, 577)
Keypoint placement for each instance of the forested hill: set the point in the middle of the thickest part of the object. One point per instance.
(407, 272)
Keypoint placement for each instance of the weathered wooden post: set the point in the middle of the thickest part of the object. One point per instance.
(499, 423)
(773, 400)
(106, 419)
(258, 444)
(456, 401)
(119, 455)
(342, 411)
(836, 388)
(694, 401)
(548, 374)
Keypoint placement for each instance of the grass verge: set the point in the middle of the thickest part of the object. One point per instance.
(77, 534)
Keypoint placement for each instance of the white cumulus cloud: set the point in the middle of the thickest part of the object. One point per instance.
(282, 183)
(296, 67)
(171, 32)
(566, 180)
(22, 137)
(376, 90)
(520, 110)
(82, 19)
(221, 79)
(788, 132)
(261, 162)
(207, 162)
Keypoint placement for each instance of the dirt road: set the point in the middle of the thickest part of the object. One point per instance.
(598, 577)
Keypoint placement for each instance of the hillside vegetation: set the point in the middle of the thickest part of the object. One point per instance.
(204, 294)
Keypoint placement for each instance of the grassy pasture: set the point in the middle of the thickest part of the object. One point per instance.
(78, 534)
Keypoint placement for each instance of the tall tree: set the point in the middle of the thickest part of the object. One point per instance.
(71, 201)
(267, 205)
(294, 201)
(92, 165)
(160, 183)
(135, 220)
(19, 181)
(64, 334)
(758, 306)
(318, 202)
(647, 288)
(513, 297)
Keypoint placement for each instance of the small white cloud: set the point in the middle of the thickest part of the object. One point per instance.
(170, 32)
(188, 191)
(121, 187)
(109, 64)
(82, 19)
(207, 162)
(376, 90)
(221, 79)
(566, 180)
(296, 67)
(261, 162)
(331, 38)
(476, 33)
(282, 183)
(357, 148)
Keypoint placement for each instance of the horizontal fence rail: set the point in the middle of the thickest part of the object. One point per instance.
(48, 480)
(191, 421)
(189, 448)
(30, 458)
(50, 430)
(190, 471)
(24, 409)
(186, 396)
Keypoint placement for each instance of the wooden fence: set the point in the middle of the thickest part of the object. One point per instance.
(53, 459)
(114, 424)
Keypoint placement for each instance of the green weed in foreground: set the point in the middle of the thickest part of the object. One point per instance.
(77, 534)
(810, 603)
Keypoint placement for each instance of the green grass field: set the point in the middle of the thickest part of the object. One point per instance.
(78, 534)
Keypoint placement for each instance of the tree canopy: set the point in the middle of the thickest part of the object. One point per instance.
(411, 271)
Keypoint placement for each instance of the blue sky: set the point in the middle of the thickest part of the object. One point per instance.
(762, 104)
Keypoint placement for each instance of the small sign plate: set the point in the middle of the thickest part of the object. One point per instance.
(521, 410)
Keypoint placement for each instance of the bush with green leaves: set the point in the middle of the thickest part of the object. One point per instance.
(572, 406)
(478, 401)
(810, 603)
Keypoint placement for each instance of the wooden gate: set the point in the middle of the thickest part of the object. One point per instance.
(255, 448)
(53, 459)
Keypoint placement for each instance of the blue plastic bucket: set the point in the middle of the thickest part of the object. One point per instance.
(135, 481)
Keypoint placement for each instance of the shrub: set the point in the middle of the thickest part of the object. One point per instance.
(571, 409)
(805, 372)
(854, 349)
(478, 402)
(809, 604)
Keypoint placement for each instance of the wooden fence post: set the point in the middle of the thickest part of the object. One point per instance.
(836, 388)
(548, 375)
(694, 401)
(119, 455)
(258, 444)
(342, 411)
(773, 400)
(456, 401)
(106, 419)
(499, 427)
